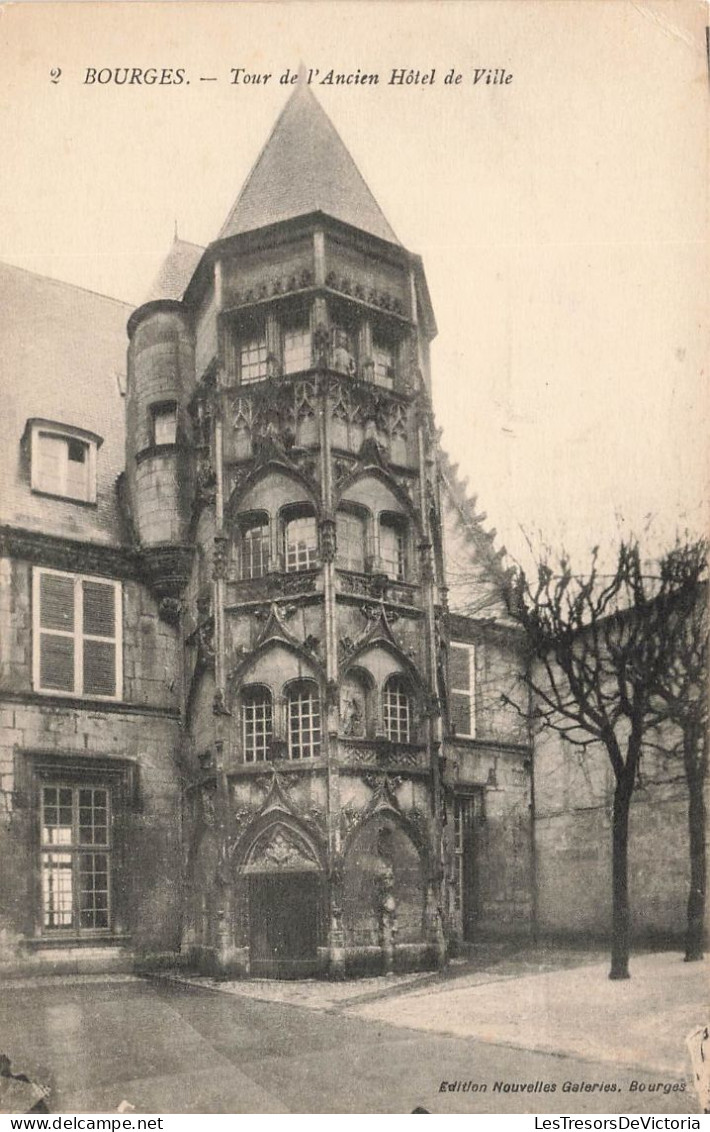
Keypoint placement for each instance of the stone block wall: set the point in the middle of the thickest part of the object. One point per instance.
(574, 796)
(130, 745)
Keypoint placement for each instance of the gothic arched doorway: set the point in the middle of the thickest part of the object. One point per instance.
(286, 904)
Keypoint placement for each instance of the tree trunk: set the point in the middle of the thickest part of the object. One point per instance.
(696, 828)
(620, 920)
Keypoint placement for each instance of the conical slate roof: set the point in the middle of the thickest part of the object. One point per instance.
(176, 271)
(304, 167)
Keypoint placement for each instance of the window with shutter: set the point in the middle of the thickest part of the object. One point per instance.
(63, 464)
(462, 690)
(77, 635)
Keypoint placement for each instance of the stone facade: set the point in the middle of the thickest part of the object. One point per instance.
(241, 726)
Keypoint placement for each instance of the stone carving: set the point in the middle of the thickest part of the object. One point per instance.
(242, 413)
(273, 366)
(304, 399)
(204, 639)
(282, 850)
(169, 610)
(208, 809)
(219, 706)
(353, 712)
(221, 553)
(321, 345)
(205, 481)
(327, 540)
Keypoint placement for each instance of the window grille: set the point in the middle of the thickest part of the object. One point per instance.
(257, 721)
(252, 360)
(304, 726)
(254, 550)
(397, 710)
(301, 543)
(76, 858)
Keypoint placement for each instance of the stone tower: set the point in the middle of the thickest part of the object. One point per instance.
(309, 606)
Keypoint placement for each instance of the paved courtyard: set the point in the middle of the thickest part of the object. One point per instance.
(377, 1045)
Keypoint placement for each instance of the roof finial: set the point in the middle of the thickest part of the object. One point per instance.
(175, 232)
(302, 74)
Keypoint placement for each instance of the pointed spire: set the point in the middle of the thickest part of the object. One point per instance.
(305, 167)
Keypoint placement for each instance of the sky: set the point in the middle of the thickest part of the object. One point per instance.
(561, 216)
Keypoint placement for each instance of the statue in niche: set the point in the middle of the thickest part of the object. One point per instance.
(343, 360)
(353, 717)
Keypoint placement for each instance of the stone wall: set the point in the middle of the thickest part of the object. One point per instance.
(573, 801)
(130, 746)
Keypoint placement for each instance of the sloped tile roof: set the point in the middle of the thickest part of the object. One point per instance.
(63, 351)
(176, 271)
(304, 167)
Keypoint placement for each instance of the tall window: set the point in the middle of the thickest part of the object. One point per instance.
(164, 420)
(350, 530)
(301, 543)
(397, 710)
(64, 465)
(296, 349)
(304, 729)
(383, 359)
(76, 857)
(252, 359)
(462, 689)
(254, 548)
(393, 548)
(76, 635)
(257, 723)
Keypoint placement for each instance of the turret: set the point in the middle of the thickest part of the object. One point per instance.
(158, 461)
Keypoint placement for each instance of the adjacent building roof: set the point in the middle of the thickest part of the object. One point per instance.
(304, 167)
(176, 271)
(64, 359)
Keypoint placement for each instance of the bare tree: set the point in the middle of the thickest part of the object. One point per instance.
(594, 665)
(679, 619)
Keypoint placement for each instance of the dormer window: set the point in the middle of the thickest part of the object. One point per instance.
(63, 460)
(164, 420)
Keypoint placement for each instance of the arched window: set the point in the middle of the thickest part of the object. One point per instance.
(393, 547)
(253, 545)
(397, 710)
(351, 533)
(300, 543)
(257, 723)
(304, 727)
